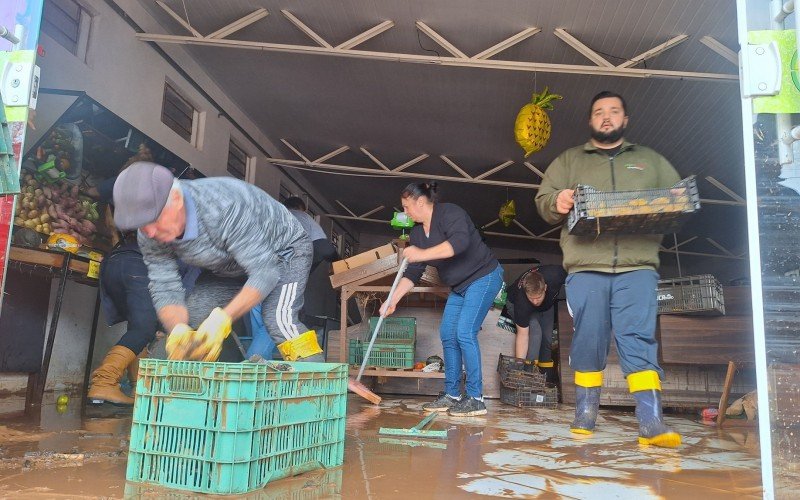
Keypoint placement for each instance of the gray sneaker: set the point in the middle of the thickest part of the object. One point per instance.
(468, 407)
(443, 403)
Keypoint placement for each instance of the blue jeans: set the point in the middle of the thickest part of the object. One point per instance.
(622, 306)
(262, 344)
(463, 315)
(125, 297)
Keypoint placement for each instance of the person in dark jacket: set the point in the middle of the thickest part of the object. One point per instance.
(125, 297)
(531, 300)
(323, 248)
(447, 239)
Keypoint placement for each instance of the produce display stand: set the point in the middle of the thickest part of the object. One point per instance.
(64, 266)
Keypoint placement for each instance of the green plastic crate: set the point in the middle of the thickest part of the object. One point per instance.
(226, 428)
(383, 355)
(394, 330)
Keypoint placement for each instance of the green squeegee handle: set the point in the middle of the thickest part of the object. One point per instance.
(425, 422)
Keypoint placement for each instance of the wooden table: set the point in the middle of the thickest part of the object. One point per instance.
(65, 266)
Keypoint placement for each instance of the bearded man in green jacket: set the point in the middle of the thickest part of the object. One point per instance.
(612, 279)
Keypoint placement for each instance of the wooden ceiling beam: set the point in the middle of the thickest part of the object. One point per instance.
(508, 42)
(721, 49)
(582, 48)
(239, 24)
(374, 159)
(363, 37)
(305, 29)
(526, 66)
(183, 22)
(658, 49)
(442, 41)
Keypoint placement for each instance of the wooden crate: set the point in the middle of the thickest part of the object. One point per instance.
(363, 258)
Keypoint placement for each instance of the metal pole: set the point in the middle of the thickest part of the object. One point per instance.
(90, 353)
(677, 254)
(51, 336)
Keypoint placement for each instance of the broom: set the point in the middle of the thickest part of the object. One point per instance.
(355, 385)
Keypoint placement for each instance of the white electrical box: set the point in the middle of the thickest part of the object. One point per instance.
(760, 70)
(20, 84)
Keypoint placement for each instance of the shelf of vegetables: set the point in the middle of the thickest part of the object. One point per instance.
(56, 207)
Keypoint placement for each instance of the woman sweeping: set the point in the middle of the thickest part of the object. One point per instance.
(447, 239)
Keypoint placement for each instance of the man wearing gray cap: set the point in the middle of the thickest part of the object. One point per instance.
(251, 249)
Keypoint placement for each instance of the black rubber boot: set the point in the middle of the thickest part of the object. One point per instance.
(652, 429)
(587, 404)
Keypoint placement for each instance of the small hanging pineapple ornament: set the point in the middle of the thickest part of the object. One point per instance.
(532, 128)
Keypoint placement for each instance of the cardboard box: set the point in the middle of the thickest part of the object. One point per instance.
(363, 258)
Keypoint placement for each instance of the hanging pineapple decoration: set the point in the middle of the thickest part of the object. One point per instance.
(508, 212)
(532, 128)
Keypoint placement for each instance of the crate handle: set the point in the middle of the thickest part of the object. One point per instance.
(186, 384)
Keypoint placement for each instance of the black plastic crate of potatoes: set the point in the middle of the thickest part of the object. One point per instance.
(647, 211)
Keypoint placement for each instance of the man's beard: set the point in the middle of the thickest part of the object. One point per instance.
(609, 137)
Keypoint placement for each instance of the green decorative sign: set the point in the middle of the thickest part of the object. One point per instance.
(788, 99)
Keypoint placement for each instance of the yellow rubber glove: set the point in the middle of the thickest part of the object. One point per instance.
(180, 342)
(211, 333)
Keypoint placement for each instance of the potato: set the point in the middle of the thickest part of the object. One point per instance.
(19, 221)
(46, 228)
(45, 218)
(33, 213)
(30, 224)
(36, 220)
(38, 228)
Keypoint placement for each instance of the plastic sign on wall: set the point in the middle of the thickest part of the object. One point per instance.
(19, 85)
(773, 78)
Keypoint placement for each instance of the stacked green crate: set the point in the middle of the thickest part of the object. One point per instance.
(394, 345)
(226, 428)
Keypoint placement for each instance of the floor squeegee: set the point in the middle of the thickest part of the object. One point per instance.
(355, 385)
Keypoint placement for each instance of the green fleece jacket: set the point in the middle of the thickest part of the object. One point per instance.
(634, 167)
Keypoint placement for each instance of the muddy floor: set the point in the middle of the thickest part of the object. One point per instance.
(63, 452)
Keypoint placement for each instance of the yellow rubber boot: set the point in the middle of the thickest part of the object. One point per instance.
(587, 401)
(303, 346)
(646, 388)
(104, 386)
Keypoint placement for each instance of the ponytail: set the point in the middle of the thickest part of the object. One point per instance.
(430, 190)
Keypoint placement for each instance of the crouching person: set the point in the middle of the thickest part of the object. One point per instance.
(250, 249)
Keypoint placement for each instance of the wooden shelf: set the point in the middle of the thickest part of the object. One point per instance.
(53, 260)
(397, 373)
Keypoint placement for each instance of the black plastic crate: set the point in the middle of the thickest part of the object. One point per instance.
(699, 295)
(506, 364)
(649, 211)
(516, 379)
(519, 373)
(529, 398)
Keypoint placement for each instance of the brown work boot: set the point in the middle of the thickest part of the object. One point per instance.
(133, 368)
(104, 386)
